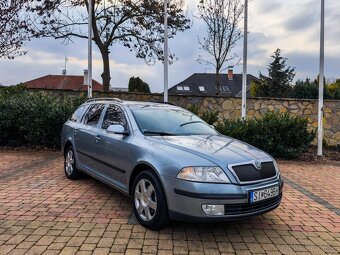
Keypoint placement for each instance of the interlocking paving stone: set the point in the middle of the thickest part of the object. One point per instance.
(321, 180)
(313, 196)
(42, 212)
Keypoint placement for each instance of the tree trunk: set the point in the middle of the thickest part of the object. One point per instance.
(106, 69)
(218, 83)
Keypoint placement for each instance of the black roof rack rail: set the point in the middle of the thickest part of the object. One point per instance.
(104, 99)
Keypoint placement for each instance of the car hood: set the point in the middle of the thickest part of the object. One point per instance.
(216, 148)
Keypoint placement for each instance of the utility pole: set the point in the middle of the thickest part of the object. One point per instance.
(166, 51)
(245, 52)
(321, 78)
(89, 68)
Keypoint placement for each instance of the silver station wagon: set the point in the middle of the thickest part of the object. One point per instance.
(173, 164)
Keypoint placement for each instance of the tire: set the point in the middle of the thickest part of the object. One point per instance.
(149, 204)
(70, 167)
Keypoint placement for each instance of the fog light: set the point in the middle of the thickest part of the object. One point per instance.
(213, 209)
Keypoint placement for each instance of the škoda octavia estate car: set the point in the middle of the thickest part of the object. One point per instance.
(172, 163)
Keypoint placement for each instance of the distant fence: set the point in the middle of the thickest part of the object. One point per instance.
(230, 108)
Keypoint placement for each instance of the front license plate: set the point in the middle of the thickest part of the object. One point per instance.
(263, 194)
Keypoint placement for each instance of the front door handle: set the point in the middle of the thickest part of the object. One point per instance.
(75, 131)
(97, 138)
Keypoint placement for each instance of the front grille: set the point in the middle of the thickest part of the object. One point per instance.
(248, 172)
(249, 208)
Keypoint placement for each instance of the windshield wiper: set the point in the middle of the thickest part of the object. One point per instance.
(147, 132)
(190, 122)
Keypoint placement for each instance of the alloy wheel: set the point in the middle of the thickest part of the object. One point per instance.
(145, 200)
(69, 161)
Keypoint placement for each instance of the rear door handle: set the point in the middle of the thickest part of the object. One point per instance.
(75, 131)
(97, 138)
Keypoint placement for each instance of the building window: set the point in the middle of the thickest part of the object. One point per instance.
(180, 88)
(225, 89)
(186, 88)
(201, 88)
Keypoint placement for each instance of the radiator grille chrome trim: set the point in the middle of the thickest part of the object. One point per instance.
(252, 162)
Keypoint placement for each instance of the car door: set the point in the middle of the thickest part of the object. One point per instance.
(85, 137)
(114, 151)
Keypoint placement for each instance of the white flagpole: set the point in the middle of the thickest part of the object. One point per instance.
(89, 68)
(245, 52)
(166, 51)
(321, 78)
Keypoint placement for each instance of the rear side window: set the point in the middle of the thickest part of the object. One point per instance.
(76, 116)
(114, 115)
(92, 115)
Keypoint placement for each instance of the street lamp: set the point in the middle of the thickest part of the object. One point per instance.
(245, 49)
(166, 51)
(321, 78)
(89, 55)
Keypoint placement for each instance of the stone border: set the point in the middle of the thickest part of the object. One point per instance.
(312, 196)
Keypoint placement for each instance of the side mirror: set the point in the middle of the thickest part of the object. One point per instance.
(117, 129)
(212, 126)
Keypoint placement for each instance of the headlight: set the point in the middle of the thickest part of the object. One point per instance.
(203, 174)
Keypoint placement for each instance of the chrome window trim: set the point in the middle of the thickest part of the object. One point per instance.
(230, 167)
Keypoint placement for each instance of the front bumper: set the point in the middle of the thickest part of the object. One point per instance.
(185, 199)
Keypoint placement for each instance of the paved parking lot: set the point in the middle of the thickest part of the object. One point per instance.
(42, 212)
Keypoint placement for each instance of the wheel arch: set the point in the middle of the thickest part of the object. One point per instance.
(137, 169)
(67, 144)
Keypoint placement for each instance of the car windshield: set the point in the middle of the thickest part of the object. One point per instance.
(165, 120)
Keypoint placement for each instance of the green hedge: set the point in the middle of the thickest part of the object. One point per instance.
(208, 116)
(279, 134)
(33, 119)
(36, 119)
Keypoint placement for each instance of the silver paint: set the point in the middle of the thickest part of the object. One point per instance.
(113, 158)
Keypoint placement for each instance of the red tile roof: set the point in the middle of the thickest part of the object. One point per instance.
(62, 82)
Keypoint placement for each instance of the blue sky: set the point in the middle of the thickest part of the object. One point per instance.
(290, 25)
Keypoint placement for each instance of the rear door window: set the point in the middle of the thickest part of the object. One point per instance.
(92, 115)
(78, 114)
(114, 115)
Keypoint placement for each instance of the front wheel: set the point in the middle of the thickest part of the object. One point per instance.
(149, 202)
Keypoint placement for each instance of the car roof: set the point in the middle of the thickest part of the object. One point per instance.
(126, 102)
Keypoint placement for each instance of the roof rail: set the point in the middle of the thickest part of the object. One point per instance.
(160, 102)
(104, 99)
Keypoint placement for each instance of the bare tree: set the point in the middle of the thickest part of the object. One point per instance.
(14, 28)
(136, 24)
(222, 18)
